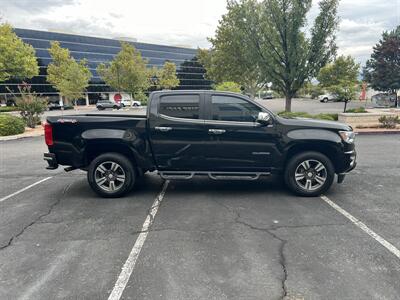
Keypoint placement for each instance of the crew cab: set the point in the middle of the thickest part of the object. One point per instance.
(221, 135)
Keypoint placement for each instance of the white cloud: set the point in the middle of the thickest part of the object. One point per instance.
(189, 22)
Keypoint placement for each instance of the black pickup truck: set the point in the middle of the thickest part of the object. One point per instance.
(185, 133)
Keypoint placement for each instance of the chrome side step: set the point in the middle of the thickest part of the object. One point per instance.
(176, 175)
(179, 175)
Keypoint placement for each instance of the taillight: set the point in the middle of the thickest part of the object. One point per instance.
(48, 134)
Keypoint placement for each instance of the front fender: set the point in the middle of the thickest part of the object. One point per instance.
(320, 140)
(314, 134)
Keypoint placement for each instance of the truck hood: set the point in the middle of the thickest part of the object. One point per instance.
(312, 123)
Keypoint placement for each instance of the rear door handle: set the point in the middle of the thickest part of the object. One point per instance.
(216, 131)
(163, 129)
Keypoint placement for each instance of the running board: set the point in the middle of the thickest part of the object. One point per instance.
(180, 175)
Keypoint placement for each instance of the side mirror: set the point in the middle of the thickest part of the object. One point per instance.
(263, 118)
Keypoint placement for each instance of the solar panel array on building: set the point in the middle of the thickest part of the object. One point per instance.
(101, 50)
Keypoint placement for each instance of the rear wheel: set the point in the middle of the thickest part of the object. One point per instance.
(309, 174)
(111, 175)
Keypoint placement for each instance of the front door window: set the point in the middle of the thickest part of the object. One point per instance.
(227, 108)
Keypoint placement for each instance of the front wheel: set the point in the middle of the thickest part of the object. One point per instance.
(309, 174)
(111, 175)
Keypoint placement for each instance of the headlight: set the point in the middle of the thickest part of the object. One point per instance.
(347, 136)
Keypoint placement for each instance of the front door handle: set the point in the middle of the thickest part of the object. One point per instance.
(216, 131)
(163, 129)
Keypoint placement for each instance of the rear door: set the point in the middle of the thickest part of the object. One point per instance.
(177, 131)
(236, 142)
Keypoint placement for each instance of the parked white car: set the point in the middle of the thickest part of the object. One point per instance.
(327, 97)
(129, 103)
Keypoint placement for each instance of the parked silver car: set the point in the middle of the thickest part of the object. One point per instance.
(384, 100)
(103, 104)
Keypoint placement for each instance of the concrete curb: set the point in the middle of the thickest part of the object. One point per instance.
(378, 132)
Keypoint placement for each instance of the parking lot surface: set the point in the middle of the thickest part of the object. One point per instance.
(276, 105)
(208, 240)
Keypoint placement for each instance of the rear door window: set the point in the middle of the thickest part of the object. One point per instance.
(180, 106)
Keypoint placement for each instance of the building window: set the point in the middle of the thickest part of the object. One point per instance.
(180, 106)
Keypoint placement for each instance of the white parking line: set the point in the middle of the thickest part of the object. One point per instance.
(24, 189)
(127, 269)
(363, 227)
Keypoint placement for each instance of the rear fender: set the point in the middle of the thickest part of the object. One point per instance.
(127, 142)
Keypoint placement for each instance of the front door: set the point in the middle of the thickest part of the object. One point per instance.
(177, 132)
(236, 142)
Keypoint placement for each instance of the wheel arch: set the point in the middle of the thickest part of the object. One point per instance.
(329, 149)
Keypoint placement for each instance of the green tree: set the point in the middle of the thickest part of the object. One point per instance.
(221, 68)
(166, 77)
(267, 41)
(17, 59)
(341, 78)
(228, 86)
(382, 71)
(69, 77)
(127, 72)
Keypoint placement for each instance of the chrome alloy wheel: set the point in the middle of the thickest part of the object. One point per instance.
(109, 176)
(310, 175)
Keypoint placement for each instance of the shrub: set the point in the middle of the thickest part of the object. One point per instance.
(290, 115)
(228, 86)
(8, 108)
(329, 117)
(142, 97)
(31, 106)
(359, 110)
(389, 121)
(10, 125)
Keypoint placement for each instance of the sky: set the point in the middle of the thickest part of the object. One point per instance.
(186, 22)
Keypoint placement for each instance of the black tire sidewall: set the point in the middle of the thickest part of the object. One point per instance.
(296, 160)
(127, 166)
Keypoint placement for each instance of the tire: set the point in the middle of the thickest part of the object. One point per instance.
(325, 100)
(135, 104)
(100, 108)
(123, 175)
(317, 179)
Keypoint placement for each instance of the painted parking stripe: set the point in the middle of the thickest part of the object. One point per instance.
(363, 227)
(24, 189)
(129, 265)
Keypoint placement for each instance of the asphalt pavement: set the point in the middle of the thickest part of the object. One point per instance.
(208, 240)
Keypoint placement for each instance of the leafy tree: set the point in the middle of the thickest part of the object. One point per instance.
(221, 68)
(17, 59)
(166, 77)
(267, 42)
(127, 72)
(228, 86)
(69, 77)
(382, 71)
(341, 78)
(31, 106)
